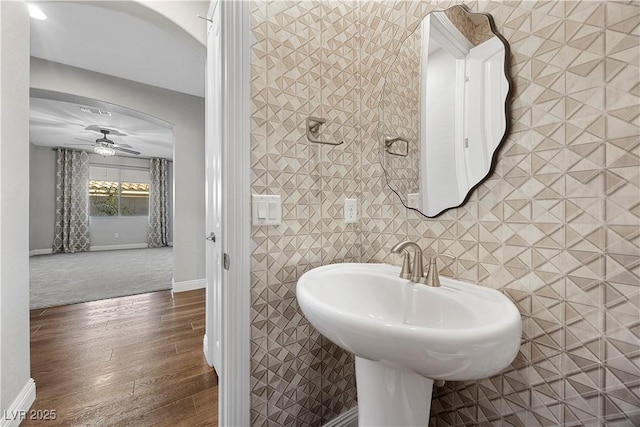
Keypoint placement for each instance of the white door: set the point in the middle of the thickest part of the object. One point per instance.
(213, 154)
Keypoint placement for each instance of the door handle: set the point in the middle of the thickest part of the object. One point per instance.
(212, 237)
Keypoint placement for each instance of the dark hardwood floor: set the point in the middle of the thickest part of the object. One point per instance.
(131, 361)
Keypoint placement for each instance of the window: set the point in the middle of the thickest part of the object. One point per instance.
(118, 191)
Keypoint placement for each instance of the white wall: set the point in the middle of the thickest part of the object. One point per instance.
(182, 13)
(186, 112)
(176, 16)
(42, 173)
(130, 230)
(14, 201)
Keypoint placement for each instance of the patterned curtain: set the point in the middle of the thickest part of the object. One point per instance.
(158, 204)
(72, 202)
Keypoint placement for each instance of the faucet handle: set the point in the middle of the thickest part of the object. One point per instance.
(444, 255)
(432, 278)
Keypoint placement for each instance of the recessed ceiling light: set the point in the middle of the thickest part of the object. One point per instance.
(36, 13)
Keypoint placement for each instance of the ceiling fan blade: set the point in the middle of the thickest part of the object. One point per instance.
(123, 145)
(127, 151)
(69, 144)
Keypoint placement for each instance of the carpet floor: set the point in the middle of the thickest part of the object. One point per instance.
(61, 279)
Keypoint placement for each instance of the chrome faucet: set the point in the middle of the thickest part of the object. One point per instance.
(415, 272)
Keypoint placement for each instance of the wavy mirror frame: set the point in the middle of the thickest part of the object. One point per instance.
(386, 151)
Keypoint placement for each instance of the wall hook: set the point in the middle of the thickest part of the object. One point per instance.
(313, 131)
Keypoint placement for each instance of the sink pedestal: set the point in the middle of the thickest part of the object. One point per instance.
(458, 331)
(391, 396)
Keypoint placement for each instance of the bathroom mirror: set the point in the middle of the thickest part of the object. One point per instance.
(443, 112)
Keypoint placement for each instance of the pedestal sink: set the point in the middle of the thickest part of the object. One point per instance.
(405, 335)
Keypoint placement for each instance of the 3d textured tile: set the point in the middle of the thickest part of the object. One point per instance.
(556, 227)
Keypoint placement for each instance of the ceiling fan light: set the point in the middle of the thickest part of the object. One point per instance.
(104, 151)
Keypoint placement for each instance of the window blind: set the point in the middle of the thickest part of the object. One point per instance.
(99, 173)
(102, 173)
(135, 175)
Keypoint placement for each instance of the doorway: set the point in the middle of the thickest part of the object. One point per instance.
(77, 53)
(119, 197)
(234, 387)
(102, 328)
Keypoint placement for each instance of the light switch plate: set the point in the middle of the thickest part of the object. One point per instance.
(266, 209)
(350, 210)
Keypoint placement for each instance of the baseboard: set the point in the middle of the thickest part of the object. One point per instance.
(346, 419)
(96, 248)
(188, 285)
(118, 247)
(19, 408)
(41, 252)
(205, 349)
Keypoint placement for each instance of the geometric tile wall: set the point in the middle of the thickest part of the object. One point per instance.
(556, 227)
(304, 63)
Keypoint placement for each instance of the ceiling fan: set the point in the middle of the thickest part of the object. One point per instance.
(106, 147)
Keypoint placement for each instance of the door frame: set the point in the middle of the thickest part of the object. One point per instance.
(234, 378)
(213, 191)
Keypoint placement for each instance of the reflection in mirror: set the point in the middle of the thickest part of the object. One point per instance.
(443, 110)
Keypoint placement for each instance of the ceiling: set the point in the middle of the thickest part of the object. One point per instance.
(58, 123)
(120, 44)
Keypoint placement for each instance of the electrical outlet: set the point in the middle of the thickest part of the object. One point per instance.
(350, 210)
(116, 235)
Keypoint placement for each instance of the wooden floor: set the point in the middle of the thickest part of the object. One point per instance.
(131, 361)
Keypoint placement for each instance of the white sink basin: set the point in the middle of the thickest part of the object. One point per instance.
(458, 331)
